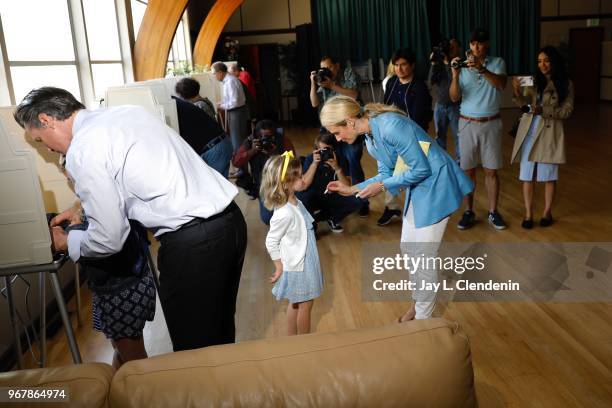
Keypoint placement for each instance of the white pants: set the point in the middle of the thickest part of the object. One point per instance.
(431, 233)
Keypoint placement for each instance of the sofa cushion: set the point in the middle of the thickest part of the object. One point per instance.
(88, 384)
(420, 363)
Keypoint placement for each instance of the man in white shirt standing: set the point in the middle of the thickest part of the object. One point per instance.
(127, 165)
(233, 103)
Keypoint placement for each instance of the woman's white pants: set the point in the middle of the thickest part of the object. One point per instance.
(425, 300)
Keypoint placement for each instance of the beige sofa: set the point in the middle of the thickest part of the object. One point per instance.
(417, 364)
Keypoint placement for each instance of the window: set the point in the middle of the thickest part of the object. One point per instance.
(43, 35)
(138, 10)
(39, 53)
(103, 42)
(26, 78)
(105, 76)
(179, 57)
(101, 23)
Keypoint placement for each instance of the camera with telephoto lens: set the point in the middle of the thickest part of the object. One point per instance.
(323, 74)
(326, 154)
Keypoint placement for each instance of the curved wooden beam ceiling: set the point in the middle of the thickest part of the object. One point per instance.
(209, 34)
(157, 30)
(154, 39)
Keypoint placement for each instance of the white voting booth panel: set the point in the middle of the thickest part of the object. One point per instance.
(209, 87)
(140, 96)
(155, 95)
(24, 232)
(56, 188)
(151, 95)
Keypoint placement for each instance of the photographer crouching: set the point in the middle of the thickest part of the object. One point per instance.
(330, 80)
(324, 165)
(268, 139)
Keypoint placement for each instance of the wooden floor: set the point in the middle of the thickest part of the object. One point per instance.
(524, 354)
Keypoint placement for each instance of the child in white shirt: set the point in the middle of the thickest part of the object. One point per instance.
(291, 241)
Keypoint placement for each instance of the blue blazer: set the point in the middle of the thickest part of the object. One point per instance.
(434, 182)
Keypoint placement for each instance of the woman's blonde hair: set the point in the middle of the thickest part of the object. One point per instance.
(338, 109)
(390, 69)
(274, 191)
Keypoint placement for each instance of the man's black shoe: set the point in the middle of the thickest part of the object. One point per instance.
(364, 210)
(387, 216)
(467, 220)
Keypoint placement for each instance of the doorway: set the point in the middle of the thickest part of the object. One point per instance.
(585, 63)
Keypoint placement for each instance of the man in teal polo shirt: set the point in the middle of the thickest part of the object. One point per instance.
(479, 87)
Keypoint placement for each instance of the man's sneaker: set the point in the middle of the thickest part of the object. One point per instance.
(467, 220)
(335, 227)
(387, 216)
(364, 210)
(496, 220)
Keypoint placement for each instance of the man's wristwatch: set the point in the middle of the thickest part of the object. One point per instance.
(382, 187)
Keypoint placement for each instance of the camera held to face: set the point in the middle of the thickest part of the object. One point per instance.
(326, 154)
(440, 52)
(459, 64)
(266, 143)
(323, 74)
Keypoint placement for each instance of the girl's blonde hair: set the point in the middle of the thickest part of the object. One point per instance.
(274, 191)
(338, 109)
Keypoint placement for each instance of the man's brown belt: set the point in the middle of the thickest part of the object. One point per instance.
(481, 120)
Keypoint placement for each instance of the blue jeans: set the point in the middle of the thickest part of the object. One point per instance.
(333, 206)
(264, 213)
(219, 156)
(237, 123)
(353, 153)
(445, 116)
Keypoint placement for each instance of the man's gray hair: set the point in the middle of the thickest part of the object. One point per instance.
(55, 102)
(234, 67)
(219, 67)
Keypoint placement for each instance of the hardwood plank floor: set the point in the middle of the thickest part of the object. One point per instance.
(545, 354)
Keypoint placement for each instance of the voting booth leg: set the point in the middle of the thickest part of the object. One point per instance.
(43, 318)
(61, 304)
(13, 317)
(77, 289)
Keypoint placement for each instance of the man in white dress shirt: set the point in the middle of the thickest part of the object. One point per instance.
(128, 165)
(233, 103)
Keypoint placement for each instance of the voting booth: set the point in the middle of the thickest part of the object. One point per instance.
(155, 96)
(26, 241)
(23, 224)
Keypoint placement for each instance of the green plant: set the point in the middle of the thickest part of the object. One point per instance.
(185, 68)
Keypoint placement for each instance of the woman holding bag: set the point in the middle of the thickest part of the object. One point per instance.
(540, 139)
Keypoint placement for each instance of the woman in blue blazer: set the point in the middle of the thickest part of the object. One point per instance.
(434, 184)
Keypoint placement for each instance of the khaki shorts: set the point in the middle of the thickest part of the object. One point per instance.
(480, 143)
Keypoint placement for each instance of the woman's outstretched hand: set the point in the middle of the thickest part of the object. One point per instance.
(342, 189)
(370, 190)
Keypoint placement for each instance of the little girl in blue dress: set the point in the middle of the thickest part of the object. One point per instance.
(291, 241)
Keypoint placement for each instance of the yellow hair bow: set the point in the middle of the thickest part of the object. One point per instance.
(288, 155)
